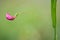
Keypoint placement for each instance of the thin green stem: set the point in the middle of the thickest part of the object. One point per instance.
(53, 14)
(55, 34)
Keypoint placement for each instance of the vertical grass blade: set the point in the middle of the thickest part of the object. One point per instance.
(53, 14)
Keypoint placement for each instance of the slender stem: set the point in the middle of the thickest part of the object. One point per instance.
(55, 34)
(53, 14)
(16, 14)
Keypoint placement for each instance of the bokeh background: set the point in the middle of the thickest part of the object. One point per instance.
(33, 24)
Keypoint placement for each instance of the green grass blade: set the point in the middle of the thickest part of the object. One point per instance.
(53, 14)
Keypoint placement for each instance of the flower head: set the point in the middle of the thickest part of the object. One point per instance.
(9, 17)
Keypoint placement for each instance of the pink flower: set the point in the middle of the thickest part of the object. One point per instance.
(9, 17)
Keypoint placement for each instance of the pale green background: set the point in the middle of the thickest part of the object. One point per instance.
(33, 24)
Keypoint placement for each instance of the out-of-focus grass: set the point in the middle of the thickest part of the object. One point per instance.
(33, 24)
(58, 20)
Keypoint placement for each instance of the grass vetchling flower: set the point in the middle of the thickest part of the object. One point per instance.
(10, 17)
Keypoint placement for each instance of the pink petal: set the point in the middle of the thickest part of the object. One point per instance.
(9, 17)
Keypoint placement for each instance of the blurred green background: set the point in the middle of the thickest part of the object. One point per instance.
(33, 24)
